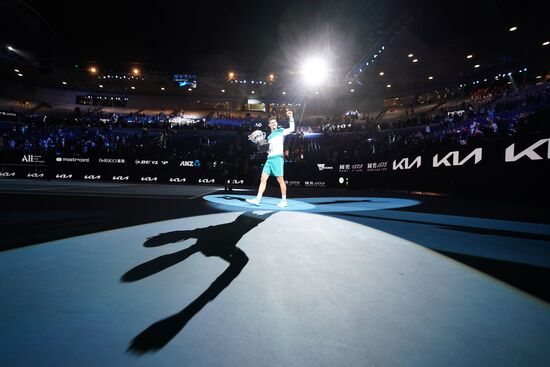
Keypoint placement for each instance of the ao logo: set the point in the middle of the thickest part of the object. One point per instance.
(476, 154)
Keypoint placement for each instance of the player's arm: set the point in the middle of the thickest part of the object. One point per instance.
(292, 126)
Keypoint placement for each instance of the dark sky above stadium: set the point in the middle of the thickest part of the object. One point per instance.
(258, 36)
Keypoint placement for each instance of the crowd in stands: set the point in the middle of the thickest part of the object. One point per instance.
(487, 114)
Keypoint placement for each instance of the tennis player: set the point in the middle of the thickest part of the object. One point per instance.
(274, 165)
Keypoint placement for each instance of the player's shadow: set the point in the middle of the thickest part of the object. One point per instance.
(221, 241)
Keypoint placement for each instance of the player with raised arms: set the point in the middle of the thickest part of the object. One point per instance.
(274, 165)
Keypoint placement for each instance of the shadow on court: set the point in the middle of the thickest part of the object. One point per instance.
(221, 241)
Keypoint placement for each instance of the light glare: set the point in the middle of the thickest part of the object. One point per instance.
(314, 71)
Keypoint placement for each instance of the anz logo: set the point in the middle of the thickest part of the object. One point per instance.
(64, 176)
(206, 180)
(149, 179)
(7, 174)
(92, 177)
(177, 179)
(121, 178)
(35, 175)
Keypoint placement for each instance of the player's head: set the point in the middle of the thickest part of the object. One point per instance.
(272, 122)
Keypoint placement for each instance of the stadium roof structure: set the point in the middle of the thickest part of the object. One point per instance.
(389, 48)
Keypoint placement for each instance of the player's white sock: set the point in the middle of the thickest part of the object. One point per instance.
(259, 198)
(284, 197)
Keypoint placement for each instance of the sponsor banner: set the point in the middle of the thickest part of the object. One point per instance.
(323, 166)
(315, 184)
(112, 160)
(195, 163)
(7, 174)
(348, 167)
(64, 176)
(149, 179)
(206, 181)
(405, 163)
(8, 114)
(36, 175)
(92, 177)
(293, 183)
(235, 182)
(453, 158)
(32, 158)
(121, 178)
(177, 179)
(376, 167)
(149, 162)
(510, 155)
(72, 160)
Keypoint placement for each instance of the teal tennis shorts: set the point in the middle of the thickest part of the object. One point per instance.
(274, 166)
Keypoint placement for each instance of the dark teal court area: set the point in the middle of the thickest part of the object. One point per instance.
(151, 275)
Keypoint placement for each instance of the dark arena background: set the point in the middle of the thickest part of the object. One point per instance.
(413, 138)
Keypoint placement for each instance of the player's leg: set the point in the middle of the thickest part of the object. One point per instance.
(263, 184)
(282, 184)
(261, 189)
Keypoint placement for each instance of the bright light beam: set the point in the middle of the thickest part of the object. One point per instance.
(314, 71)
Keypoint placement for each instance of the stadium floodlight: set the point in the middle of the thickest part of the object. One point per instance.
(410, 55)
(415, 60)
(513, 29)
(546, 43)
(314, 71)
(476, 65)
(10, 48)
(16, 70)
(64, 83)
(469, 56)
